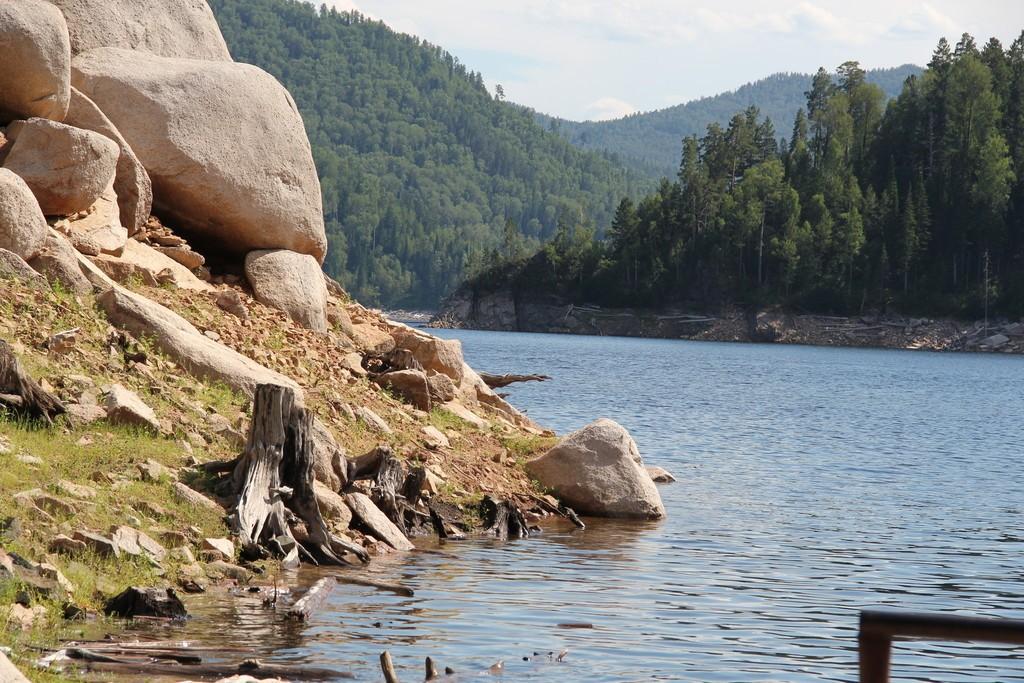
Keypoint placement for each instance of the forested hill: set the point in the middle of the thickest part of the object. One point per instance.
(917, 206)
(651, 140)
(421, 168)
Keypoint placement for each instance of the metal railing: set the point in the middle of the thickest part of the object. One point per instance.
(878, 630)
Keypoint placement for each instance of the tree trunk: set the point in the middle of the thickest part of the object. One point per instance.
(274, 478)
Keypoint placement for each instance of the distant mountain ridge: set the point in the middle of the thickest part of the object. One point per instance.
(651, 141)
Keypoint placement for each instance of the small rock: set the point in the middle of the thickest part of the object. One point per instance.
(48, 571)
(660, 475)
(373, 420)
(27, 459)
(136, 543)
(219, 569)
(40, 499)
(81, 414)
(146, 602)
(25, 618)
(150, 509)
(65, 544)
(434, 438)
(153, 471)
(76, 490)
(230, 301)
(377, 522)
(125, 407)
(194, 498)
(100, 544)
(223, 546)
(182, 554)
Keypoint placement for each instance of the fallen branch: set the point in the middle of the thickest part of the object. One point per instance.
(370, 583)
(499, 381)
(142, 670)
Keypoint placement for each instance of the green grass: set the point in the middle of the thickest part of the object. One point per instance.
(445, 419)
(524, 447)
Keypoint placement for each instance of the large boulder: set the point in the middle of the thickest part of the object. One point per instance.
(22, 225)
(179, 339)
(224, 145)
(35, 61)
(58, 261)
(289, 282)
(170, 28)
(66, 168)
(434, 355)
(597, 471)
(131, 182)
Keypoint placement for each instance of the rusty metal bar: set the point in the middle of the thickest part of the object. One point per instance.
(879, 628)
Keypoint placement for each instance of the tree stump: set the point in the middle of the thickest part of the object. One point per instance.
(274, 481)
(21, 393)
(503, 519)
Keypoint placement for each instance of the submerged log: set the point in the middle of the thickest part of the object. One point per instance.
(143, 670)
(304, 607)
(21, 393)
(499, 381)
(380, 585)
(274, 481)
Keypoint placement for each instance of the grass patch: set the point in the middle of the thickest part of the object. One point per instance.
(527, 446)
(445, 419)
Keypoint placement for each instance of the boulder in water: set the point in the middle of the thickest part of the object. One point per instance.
(597, 471)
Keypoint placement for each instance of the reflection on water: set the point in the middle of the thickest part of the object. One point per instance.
(813, 483)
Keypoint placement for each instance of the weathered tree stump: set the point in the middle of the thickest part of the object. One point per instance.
(146, 602)
(274, 481)
(21, 393)
(503, 519)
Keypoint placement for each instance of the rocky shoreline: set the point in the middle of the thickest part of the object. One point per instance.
(187, 403)
(502, 311)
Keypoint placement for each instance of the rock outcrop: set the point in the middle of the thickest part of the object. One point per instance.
(170, 28)
(98, 230)
(409, 384)
(289, 282)
(66, 168)
(179, 339)
(597, 471)
(131, 182)
(22, 225)
(35, 71)
(223, 144)
(433, 354)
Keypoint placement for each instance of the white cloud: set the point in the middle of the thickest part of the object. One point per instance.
(607, 108)
(926, 20)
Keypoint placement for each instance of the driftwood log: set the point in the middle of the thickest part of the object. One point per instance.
(21, 393)
(304, 607)
(499, 381)
(274, 482)
(379, 585)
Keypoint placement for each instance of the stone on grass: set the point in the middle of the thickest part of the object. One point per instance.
(411, 385)
(124, 407)
(192, 497)
(434, 438)
(101, 545)
(372, 420)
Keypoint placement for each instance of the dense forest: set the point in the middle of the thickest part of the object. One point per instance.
(918, 206)
(650, 141)
(421, 168)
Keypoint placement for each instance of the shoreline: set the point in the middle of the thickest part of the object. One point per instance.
(501, 313)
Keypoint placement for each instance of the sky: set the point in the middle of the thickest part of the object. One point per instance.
(601, 59)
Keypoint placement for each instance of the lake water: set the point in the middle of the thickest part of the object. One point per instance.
(812, 483)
